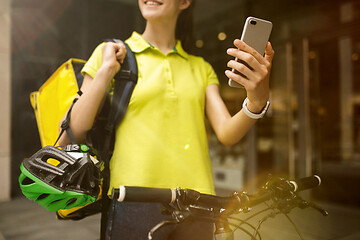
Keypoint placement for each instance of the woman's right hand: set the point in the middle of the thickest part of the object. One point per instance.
(113, 56)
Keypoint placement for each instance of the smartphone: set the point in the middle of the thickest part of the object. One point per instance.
(256, 34)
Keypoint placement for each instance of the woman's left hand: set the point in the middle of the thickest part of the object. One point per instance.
(255, 72)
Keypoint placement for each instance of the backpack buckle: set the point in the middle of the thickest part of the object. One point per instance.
(126, 75)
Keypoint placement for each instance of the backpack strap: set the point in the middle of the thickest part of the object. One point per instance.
(125, 81)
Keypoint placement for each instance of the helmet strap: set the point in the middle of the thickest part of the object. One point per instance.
(65, 126)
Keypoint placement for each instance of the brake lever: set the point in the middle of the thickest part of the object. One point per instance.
(177, 213)
(306, 204)
(321, 210)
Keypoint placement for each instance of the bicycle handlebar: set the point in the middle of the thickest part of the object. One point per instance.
(166, 195)
(184, 203)
(306, 183)
(144, 194)
(298, 185)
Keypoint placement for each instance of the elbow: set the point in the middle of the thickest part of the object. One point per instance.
(228, 144)
(230, 138)
(228, 134)
(66, 139)
(226, 141)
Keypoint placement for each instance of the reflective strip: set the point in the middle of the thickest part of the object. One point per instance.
(295, 185)
(173, 195)
(122, 193)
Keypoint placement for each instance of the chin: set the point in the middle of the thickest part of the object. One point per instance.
(151, 16)
(155, 9)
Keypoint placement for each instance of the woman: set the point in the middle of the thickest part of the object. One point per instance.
(162, 140)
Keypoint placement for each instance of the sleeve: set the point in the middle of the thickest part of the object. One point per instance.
(211, 75)
(94, 62)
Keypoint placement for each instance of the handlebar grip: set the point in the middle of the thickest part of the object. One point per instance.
(219, 202)
(144, 194)
(306, 183)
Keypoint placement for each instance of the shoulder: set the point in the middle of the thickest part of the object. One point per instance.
(98, 50)
(94, 62)
(202, 67)
(200, 63)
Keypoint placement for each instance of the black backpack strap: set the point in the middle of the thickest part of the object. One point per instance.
(125, 81)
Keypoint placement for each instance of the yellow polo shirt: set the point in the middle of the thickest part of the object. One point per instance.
(162, 140)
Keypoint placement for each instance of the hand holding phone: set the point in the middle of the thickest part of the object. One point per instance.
(256, 34)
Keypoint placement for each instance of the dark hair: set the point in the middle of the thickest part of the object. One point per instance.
(185, 27)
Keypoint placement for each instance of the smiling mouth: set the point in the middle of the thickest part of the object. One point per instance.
(153, 3)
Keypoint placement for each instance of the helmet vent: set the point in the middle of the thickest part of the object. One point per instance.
(70, 201)
(42, 196)
(27, 181)
(53, 161)
(57, 200)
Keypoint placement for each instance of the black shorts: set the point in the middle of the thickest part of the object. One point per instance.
(133, 221)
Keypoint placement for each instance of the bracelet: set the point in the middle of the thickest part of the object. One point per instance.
(254, 115)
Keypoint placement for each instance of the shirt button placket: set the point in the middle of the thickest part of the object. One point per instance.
(168, 72)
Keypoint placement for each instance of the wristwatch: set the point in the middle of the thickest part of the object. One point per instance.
(254, 115)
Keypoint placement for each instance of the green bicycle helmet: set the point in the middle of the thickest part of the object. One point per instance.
(60, 178)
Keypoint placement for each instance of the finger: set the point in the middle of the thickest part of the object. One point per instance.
(245, 58)
(237, 78)
(241, 45)
(241, 68)
(119, 48)
(121, 52)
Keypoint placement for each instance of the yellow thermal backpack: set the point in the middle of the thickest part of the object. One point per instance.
(54, 99)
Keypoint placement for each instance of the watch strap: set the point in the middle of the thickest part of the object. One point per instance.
(254, 115)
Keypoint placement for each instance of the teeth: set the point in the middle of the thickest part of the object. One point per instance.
(152, 3)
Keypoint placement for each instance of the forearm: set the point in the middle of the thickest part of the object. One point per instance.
(86, 108)
(94, 91)
(255, 79)
(228, 129)
(233, 129)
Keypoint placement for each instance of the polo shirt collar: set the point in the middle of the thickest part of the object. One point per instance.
(138, 44)
(180, 50)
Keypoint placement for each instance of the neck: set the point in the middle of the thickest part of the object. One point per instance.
(161, 35)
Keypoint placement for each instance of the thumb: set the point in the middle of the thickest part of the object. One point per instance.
(269, 52)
